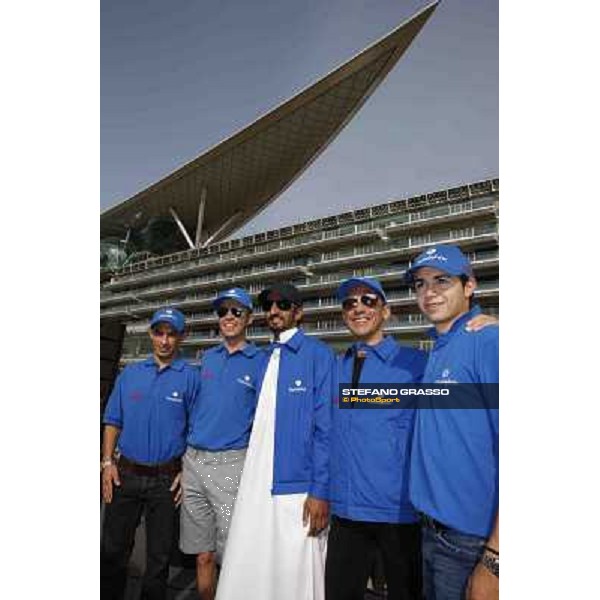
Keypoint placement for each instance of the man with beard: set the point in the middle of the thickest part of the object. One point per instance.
(147, 415)
(276, 545)
(219, 433)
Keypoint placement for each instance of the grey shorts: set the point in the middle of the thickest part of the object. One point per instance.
(210, 483)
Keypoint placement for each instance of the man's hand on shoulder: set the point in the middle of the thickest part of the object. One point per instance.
(110, 476)
(478, 322)
(315, 514)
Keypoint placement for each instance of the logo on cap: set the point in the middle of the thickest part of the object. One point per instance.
(431, 255)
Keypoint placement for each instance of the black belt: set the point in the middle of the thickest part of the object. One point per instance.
(433, 523)
(171, 467)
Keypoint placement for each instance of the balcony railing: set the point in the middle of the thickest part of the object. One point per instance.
(327, 279)
(369, 252)
(228, 255)
(257, 272)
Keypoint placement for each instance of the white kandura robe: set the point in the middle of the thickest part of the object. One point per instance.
(269, 555)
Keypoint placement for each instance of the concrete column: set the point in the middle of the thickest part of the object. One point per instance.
(188, 239)
(201, 206)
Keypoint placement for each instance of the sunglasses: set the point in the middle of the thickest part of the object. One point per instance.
(282, 304)
(368, 300)
(234, 310)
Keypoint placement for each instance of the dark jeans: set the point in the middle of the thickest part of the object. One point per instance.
(138, 494)
(350, 550)
(449, 558)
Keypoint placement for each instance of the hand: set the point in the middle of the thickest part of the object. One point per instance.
(176, 487)
(110, 475)
(482, 585)
(316, 514)
(480, 321)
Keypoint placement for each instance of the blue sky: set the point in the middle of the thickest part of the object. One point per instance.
(179, 76)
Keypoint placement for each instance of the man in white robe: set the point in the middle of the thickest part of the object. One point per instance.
(277, 541)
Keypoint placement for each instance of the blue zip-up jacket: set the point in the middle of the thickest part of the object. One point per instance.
(151, 408)
(454, 466)
(303, 416)
(223, 414)
(370, 449)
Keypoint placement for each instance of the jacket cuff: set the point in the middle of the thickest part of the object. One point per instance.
(319, 490)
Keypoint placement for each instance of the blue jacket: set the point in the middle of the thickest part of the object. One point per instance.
(454, 470)
(303, 417)
(223, 414)
(370, 452)
(151, 409)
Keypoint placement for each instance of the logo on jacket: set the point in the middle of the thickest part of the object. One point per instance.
(445, 378)
(297, 387)
(174, 397)
(136, 395)
(246, 380)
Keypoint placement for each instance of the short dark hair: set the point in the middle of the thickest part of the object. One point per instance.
(463, 279)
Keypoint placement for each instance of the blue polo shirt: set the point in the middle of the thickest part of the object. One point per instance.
(454, 467)
(222, 418)
(370, 449)
(151, 408)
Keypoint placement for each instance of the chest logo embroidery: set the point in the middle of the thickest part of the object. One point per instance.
(445, 377)
(298, 386)
(246, 380)
(174, 397)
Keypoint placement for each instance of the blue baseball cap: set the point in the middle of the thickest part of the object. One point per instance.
(448, 259)
(238, 294)
(348, 284)
(171, 316)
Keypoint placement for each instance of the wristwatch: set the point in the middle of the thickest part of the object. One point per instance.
(491, 563)
(106, 463)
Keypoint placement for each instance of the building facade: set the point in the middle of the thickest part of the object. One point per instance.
(315, 256)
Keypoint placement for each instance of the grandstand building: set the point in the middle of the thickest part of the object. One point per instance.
(315, 256)
(174, 243)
